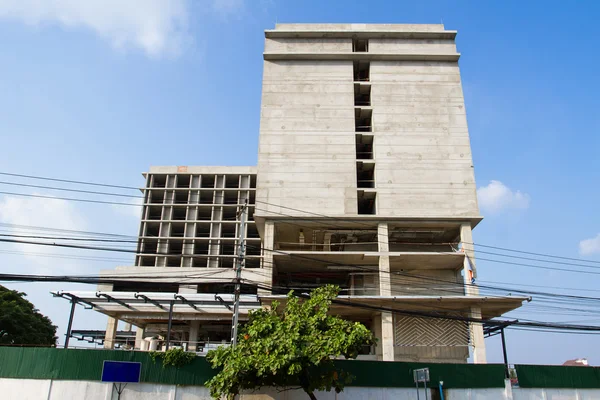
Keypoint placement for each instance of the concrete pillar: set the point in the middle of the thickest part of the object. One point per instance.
(139, 336)
(479, 354)
(111, 333)
(267, 267)
(466, 239)
(376, 328)
(385, 285)
(385, 289)
(387, 336)
(193, 339)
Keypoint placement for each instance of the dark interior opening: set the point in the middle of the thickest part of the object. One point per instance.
(364, 147)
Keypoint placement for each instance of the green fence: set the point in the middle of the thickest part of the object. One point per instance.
(50, 363)
(559, 377)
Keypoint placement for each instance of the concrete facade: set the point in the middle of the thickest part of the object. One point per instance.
(364, 180)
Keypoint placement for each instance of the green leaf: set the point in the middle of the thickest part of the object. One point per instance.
(286, 347)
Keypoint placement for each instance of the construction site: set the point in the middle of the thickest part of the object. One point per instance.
(365, 180)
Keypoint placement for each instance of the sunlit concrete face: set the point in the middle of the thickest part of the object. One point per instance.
(365, 180)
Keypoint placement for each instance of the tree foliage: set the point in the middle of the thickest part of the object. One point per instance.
(173, 357)
(22, 323)
(289, 347)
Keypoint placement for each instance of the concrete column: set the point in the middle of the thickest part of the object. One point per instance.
(267, 267)
(385, 289)
(479, 354)
(193, 339)
(387, 336)
(466, 239)
(139, 336)
(376, 328)
(111, 333)
(385, 286)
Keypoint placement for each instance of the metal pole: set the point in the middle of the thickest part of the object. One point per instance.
(70, 325)
(506, 371)
(425, 386)
(417, 385)
(238, 273)
(169, 325)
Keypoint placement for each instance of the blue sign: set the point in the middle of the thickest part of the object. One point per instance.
(121, 371)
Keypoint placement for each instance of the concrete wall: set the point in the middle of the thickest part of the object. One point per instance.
(411, 45)
(307, 147)
(422, 149)
(307, 154)
(363, 27)
(39, 389)
(307, 45)
(42, 389)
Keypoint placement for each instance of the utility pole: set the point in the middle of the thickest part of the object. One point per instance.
(238, 271)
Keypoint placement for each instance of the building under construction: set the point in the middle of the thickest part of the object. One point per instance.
(364, 180)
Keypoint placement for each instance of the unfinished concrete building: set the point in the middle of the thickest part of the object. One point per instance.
(365, 180)
(189, 232)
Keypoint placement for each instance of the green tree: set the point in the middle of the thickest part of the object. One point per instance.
(288, 347)
(21, 323)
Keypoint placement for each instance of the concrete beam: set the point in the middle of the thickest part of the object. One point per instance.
(362, 56)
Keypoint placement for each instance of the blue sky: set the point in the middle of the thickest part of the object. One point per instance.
(101, 92)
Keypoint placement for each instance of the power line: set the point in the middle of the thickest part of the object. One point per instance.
(69, 181)
(72, 199)
(70, 190)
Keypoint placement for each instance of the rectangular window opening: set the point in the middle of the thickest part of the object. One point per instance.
(183, 181)
(204, 213)
(362, 94)
(207, 181)
(229, 213)
(198, 262)
(232, 181)
(182, 197)
(360, 45)
(361, 71)
(157, 196)
(252, 263)
(364, 147)
(228, 230)
(159, 181)
(366, 202)
(150, 247)
(201, 247)
(173, 261)
(175, 247)
(231, 197)
(179, 213)
(202, 230)
(154, 213)
(363, 120)
(365, 175)
(177, 230)
(226, 262)
(152, 229)
(207, 197)
(252, 232)
(146, 262)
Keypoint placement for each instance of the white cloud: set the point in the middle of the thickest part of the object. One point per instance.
(496, 197)
(156, 26)
(591, 246)
(55, 213)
